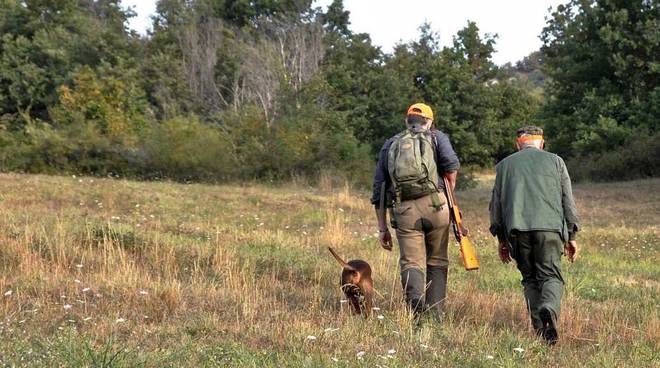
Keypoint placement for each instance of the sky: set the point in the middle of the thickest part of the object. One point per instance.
(518, 23)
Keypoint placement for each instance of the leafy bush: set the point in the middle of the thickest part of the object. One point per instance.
(638, 158)
(186, 149)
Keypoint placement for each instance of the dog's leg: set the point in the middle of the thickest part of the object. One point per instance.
(368, 289)
(355, 301)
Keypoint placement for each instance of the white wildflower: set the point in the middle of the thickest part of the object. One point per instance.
(391, 351)
(376, 308)
(490, 357)
(519, 350)
(381, 317)
(79, 265)
(8, 292)
(67, 306)
(120, 320)
(143, 292)
(360, 354)
(311, 338)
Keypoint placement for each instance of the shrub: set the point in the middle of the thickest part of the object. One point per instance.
(186, 149)
(638, 158)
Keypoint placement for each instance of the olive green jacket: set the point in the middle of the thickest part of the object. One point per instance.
(533, 192)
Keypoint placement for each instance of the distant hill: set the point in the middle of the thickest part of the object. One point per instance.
(526, 73)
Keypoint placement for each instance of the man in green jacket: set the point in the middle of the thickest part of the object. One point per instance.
(533, 215)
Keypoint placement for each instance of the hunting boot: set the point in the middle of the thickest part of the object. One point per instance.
(436, 290)
(412, 281)
(550, 334)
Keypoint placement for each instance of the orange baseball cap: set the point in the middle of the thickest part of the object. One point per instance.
(421, 109)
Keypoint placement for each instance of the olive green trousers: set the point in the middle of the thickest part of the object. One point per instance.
(538, 256)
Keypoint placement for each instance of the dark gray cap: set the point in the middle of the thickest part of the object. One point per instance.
(529, 130)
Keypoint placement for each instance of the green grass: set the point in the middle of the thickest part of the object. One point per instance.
(113, 273)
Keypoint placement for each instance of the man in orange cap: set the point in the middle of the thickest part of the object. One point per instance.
(408, 178)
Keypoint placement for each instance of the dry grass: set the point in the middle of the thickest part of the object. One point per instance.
(119, 273)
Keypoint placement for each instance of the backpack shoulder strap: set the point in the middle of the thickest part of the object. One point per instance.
(434, 139)
(434, 134)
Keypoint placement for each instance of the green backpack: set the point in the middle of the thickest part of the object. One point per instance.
(411, 164)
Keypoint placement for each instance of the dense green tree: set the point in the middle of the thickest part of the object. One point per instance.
(44, 41)
(603, 58)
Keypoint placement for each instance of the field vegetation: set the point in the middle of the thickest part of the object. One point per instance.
(108, 272)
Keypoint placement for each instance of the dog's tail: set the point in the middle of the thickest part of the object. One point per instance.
(341, 261)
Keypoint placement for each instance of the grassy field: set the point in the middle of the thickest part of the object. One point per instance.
(101, 272)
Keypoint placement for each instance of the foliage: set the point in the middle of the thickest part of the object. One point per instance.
(187, 149)
(526, 73)
(274, 89)
(638, 157)
(602, 57)
(113, 103)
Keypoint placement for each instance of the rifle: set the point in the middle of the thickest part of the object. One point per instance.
(468, 251)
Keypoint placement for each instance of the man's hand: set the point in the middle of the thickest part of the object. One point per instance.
(571, 250)
(385, 239)
(503, 250)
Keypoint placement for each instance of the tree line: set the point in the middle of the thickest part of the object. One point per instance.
(270, 89)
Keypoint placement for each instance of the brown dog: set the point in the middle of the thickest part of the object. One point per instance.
(356, 283)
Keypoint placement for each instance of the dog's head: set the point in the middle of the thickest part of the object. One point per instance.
(350, 276)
